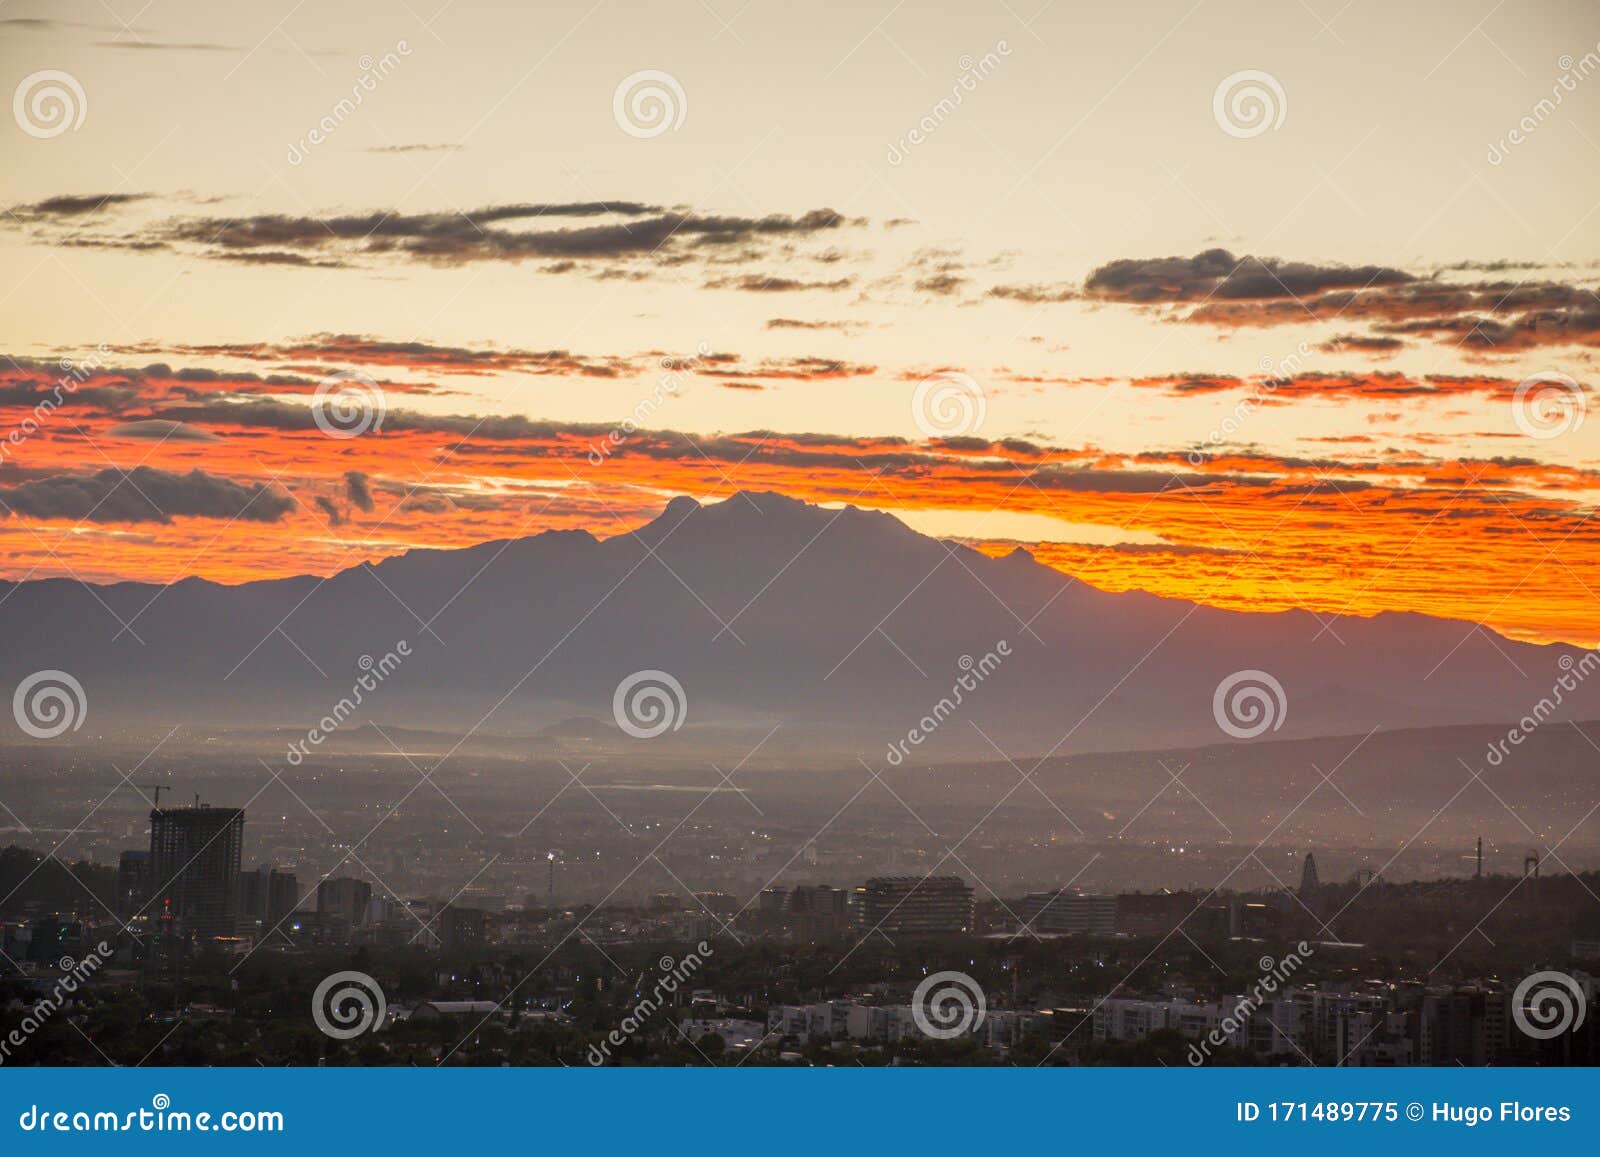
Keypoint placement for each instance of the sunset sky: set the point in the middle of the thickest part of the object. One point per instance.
(1017, 273)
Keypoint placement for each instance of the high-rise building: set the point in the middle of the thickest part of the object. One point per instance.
(343, 900)
(913, 905)
(133, 882)
(267, 896)
(1309, 883)
(194, 869)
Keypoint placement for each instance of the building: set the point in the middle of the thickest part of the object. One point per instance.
(1309, 881)
(459, 929)
(194, 869)
(916, 905)
(738, 1036)
(1063, 912)
(343, 901)
(133, 882)
(267, 896)
(438, 1008)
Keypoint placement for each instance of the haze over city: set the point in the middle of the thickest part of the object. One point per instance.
(513, 514)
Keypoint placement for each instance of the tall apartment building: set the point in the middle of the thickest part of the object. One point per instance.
(194, 869)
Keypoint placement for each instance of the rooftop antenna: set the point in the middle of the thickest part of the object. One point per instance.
(155, 793)
(1479, 876)
(1530, 864)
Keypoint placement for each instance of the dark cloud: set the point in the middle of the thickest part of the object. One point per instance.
(633, 230)
(76, 206)
(756, 283)
(1036, 294)
(1486, 317)
(155, 430)
(801, 323)
(359, 349)
(329, 508)
(358, 491)
(1218, 275)
(144, 494)
(942, 284)
(1364, 343)
(612, 232)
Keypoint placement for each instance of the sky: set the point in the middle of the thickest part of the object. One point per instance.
(1264, 306)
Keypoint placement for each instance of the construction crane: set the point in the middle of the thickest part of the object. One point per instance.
(155, 790)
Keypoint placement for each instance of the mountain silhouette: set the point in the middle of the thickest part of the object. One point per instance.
(766, 610)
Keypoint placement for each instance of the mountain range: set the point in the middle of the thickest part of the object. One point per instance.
(840, 624)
